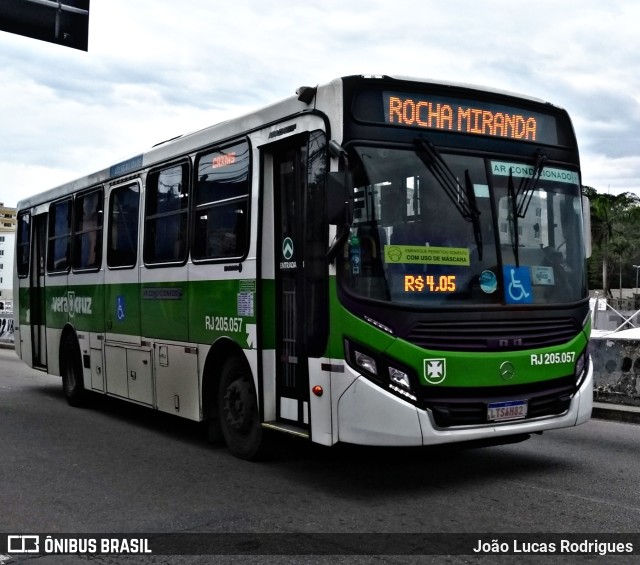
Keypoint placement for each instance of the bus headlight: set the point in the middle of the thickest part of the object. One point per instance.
(399, 377)
(365, 362)
(386, 372)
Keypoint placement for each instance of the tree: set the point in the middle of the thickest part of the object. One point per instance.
(614, 219)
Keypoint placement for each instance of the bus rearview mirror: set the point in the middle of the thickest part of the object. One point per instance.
(586, 224)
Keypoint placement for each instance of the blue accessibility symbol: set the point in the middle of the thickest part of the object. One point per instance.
(120, 308)
(517, 284)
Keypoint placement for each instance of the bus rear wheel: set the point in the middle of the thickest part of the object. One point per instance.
(71, 369)
(238, 410)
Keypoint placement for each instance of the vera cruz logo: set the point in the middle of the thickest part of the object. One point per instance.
(72, 304)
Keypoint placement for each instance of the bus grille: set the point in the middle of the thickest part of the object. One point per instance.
(466, 412)
(493, 335)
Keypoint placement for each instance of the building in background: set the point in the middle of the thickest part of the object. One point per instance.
(7, 247)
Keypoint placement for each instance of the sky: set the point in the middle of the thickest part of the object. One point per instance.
(156, 69)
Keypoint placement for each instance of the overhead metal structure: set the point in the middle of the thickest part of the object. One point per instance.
(65, 22)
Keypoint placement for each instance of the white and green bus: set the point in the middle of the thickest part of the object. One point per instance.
(377, 261)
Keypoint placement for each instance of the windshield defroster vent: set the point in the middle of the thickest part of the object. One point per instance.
(496, 335)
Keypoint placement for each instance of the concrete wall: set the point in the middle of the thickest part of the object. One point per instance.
(616, 369)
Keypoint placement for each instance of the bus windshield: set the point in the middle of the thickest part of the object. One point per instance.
(484, 231)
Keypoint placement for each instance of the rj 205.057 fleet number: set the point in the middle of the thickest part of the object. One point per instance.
(223, 323)
(553, 358)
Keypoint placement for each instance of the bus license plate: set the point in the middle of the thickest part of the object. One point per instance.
(510, 410)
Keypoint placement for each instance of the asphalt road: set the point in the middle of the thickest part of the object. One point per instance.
(120, 468)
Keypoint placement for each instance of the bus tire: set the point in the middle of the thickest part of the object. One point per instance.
(238, 410)
(71, 370)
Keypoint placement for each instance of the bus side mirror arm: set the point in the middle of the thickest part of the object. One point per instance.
(339, 204)
(339, 209)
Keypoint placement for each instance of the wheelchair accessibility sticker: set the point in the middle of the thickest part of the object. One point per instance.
(517, 284)
(120, 308)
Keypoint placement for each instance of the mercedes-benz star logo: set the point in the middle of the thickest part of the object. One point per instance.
(507, 371)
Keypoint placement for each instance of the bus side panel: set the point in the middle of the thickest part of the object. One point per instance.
(267, 307)
(56, 308)
(85, 305)
(164, 303)
(21, 322)
(177, 380)
(320, 405)
(222, 305)
(222, 308)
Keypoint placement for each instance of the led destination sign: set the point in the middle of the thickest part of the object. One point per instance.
(468, 117)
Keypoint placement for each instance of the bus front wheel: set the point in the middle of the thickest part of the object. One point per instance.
(71, 369)
(238, 410)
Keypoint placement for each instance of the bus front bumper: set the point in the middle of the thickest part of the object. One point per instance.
(369, 415)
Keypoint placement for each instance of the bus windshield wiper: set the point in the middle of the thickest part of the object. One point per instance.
(513, 212)
(528, 186)
(521, 198)
(463, 200)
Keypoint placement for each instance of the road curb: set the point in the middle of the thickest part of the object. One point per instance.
(616, 412)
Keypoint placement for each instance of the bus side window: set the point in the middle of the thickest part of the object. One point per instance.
(24, 244)
(122, 247)
(87, 231)
(222, 203)
(167, 214)
(59, 246)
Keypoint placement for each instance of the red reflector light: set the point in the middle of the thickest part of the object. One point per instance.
(317, 390)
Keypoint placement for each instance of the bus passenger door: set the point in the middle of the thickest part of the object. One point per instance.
(37, 298)
(299, 255)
